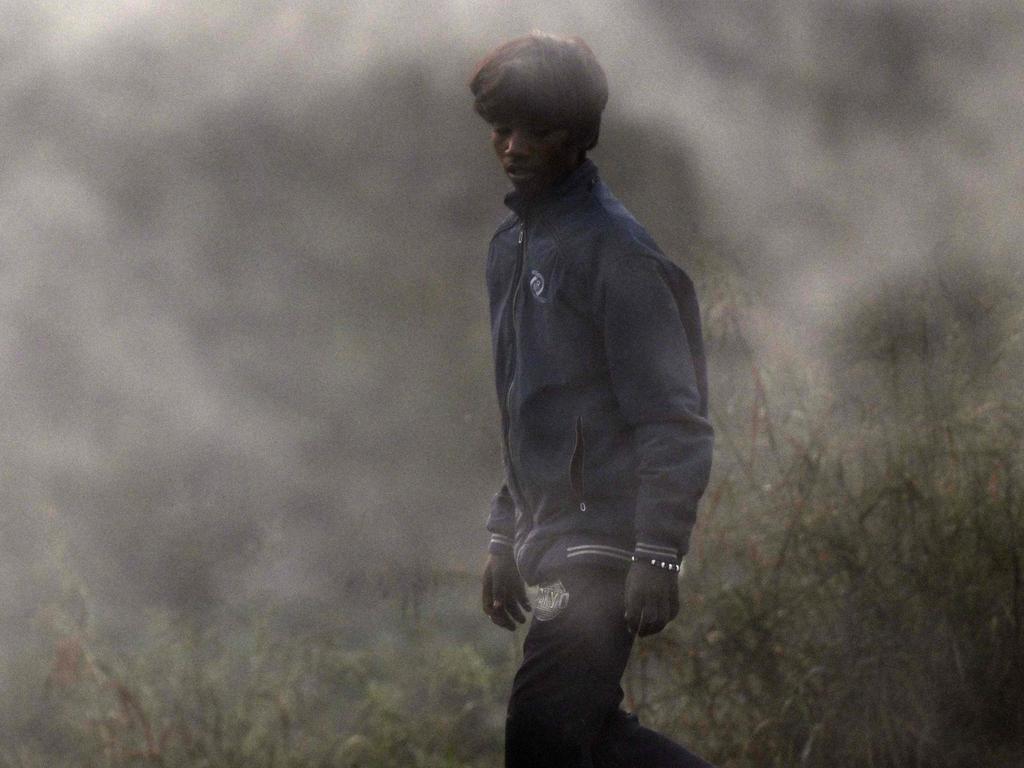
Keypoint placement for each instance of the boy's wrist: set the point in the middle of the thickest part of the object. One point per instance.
(657, 555)
(654, 562)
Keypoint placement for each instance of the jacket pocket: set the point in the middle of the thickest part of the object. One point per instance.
(576, 466)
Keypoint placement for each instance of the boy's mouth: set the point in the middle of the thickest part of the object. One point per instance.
(518, 174)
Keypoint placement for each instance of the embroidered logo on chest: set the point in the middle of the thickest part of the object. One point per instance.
(551, 600)
(537, 286)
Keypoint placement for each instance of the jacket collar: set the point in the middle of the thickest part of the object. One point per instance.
(577, 183)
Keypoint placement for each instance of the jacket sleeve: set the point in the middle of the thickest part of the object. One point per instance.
(501, 522)
(648, 310)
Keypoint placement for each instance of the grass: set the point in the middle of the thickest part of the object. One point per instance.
(875, 622)
(854, 597)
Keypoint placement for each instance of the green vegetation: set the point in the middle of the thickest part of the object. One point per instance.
(873, 623)
(855, 597)
(243, 693)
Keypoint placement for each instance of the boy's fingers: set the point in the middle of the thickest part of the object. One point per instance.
(500, 617)
(488, 596)
(516, 612)
(651, 625)
(521, 595)
(655, 617)
(632, 618)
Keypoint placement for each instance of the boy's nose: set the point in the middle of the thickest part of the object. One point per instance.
(516, 144)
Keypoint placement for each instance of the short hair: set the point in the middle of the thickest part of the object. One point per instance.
(543, 79)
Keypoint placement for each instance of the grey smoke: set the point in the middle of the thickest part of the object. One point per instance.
(243, 348)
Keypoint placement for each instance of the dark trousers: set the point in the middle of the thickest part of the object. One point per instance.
(564, 709)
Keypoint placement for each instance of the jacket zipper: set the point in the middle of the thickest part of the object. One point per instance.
(577, 466)
(520, 259)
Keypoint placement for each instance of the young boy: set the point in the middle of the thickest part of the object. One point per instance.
(602, 387)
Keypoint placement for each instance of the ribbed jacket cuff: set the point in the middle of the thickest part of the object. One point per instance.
(500, 545)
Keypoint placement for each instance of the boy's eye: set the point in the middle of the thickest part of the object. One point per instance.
(532, 132)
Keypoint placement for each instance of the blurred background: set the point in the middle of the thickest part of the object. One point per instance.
(245, 372)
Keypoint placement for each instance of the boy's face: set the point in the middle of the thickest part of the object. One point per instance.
(533, 157)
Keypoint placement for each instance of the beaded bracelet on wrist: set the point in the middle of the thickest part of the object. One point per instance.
(659, 564)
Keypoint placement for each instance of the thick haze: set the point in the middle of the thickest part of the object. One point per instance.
(243, 347)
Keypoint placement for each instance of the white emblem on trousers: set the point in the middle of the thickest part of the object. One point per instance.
(551, 600)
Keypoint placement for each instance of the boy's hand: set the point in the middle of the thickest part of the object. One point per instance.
(652, 598)
(504, 591)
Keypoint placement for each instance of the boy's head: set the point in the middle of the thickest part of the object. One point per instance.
(543, 81)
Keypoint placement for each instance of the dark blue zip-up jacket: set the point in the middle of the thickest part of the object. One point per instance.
(602, 385)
